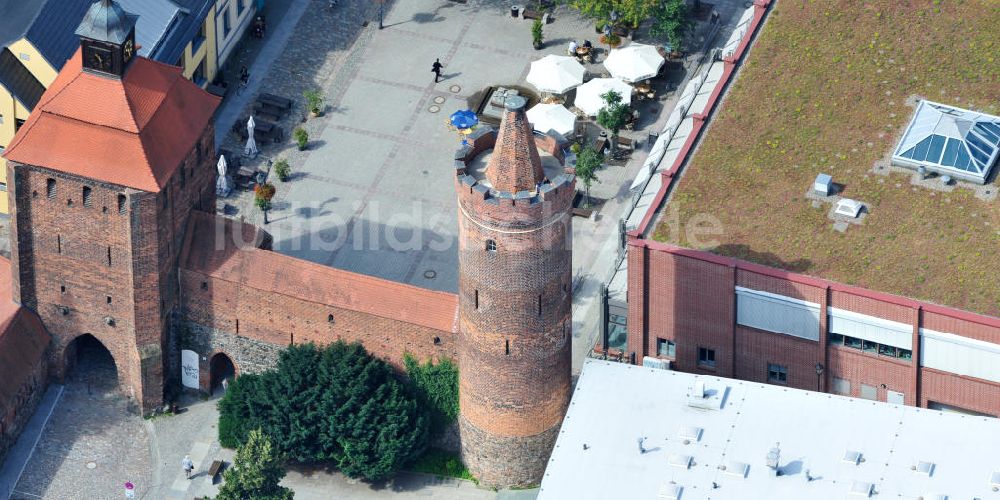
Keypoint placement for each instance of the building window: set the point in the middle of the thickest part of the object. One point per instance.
(86, 196)
(108, 299)
(706, 357)
(871, 347)
(506, 347)
(777, 373)
(62, 288)
(17, 124)
(1, 119)
(840, 386)
(198, 40)
(329, 319)
(869, 392)
(227, 24)
(491, 246)
(198, 77)
(109, 255)
(539, 305)
(476, 298)
(24, 56)
(666, 348)
(58, 243)
(50, 188)
(121, 204)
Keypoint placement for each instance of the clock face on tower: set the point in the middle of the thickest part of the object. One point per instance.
(128, 50)
(98, 58)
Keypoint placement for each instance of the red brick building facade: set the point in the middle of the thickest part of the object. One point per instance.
(706, 313)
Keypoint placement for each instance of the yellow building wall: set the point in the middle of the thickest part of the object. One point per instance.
(36, 64)
(206, 52)
(11, 110)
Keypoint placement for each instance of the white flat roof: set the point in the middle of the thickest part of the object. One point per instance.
(597, 455)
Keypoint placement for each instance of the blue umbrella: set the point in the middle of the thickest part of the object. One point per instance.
(464, 119)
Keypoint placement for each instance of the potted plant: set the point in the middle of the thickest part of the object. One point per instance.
(262, 194)
(301, 137)
(314, 101)
(536, 34)
(612, 40)
(587, 163)
(282, 170)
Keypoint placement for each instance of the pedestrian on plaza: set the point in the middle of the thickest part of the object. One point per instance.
(225, 384)
(188, 465)
(572, 48)
(436, 69)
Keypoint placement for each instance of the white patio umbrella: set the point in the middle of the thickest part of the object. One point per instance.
(555, 74)
(222, 187)
(251, 148)
(545, 117)
(588, 96)
(634, 63)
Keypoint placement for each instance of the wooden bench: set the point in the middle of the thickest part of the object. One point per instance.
(535, 14)
(215, 469)
(582, 212)
(624, 142)
(270, 109)
(276, 101)
(601, 145)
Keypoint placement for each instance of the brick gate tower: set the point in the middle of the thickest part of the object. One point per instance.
(515, 273)
(102, 178)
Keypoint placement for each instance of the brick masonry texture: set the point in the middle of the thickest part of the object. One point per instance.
(688, 296)
(515, 277)
(87, 267)
(505, 460)
(16, 409)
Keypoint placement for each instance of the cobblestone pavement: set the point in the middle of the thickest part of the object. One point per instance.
(92, 444)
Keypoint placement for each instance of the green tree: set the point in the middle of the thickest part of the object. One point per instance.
(436, 388)
(587, 163)
(334, 404)
(671, 20)
(629, 12)
(614, 115)
(256, 472)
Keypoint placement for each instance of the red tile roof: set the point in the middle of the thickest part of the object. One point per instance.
(304, 280)
(23, 341)
(515, 164)
(132, 132)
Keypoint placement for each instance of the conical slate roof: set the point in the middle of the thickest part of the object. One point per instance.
(106, 21)
(515, 164)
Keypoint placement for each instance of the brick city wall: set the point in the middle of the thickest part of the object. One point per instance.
(17, 408)
(688, 296)
(238, 320)
(85, 266)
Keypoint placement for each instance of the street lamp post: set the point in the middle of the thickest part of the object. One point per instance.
(381, 3)
(819, 377)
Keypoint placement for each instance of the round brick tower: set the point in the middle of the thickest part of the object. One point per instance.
(515, 274)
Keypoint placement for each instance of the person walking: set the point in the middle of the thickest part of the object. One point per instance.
(436, 69)
(188, 465)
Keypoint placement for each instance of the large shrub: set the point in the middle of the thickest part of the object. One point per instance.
(334, 404)
(436, 387)
(256, 472)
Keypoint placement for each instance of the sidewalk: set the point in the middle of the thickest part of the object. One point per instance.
(19, 455)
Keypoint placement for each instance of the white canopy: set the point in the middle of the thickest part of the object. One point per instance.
(545, 117)
(588, 96)
(222, 187)
(251, 148)
(634, 63)
(555, 74)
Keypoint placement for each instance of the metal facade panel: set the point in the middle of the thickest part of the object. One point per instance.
(871, 328)
(960, 355)
(777, 313)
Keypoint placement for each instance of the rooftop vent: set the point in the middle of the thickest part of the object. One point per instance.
(701, 395)
(850, 208)
(738, 469)
(651, 362)
(851, 457)
(670, 491)
(774, 456)
(681, 461)
(823, 185)
(925, 468)
(995, 479)
(933, 496)
(691, 433)
(862, 489)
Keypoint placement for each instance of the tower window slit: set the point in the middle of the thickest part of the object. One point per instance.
(506, 347)
(86, 196)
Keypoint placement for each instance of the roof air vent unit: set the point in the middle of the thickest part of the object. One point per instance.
(738, 469)
(690, 433)
(681, 461)
(934, 496)
(699, 390)
(851, 457)
(670, 491)
(651, 362)
(925, 468)
(995, 479)
(850, 208)
(774, 456)
(701, 395)
(862, 489)
(823, 185)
